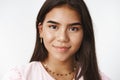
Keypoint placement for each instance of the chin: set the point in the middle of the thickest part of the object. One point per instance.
(62, 59)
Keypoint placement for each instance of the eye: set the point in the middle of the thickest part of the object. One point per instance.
(53, 27)
(74, 29)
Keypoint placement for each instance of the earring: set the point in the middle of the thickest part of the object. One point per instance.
(41, 40)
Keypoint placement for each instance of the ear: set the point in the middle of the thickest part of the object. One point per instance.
(40, 28)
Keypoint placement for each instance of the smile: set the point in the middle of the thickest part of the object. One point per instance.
(61, 48)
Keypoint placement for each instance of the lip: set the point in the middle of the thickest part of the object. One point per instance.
(61, 48)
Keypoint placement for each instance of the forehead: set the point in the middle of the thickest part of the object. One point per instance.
(63, 14)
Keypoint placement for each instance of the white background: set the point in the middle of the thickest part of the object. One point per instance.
(17, 33)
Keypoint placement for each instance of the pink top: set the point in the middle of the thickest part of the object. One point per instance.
(32, 71)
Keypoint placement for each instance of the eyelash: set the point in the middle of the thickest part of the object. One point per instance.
(72, 29)
(53, 26)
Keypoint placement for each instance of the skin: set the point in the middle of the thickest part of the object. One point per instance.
(62, 35)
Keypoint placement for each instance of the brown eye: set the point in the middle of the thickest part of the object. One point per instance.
(74, 29)
(53, 27)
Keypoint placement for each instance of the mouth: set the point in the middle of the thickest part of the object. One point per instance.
(62, 48)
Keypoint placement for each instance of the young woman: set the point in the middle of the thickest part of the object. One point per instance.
(65, 46)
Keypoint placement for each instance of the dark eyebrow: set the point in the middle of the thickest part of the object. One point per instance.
(53, 22)
(72, 24)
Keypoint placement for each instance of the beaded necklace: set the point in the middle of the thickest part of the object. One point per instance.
(60, 74)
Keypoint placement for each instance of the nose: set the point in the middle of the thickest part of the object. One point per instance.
(63, 36)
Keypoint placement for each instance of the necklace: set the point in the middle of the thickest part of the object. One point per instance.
(60, 74)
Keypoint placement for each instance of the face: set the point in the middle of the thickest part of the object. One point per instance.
(62, 33)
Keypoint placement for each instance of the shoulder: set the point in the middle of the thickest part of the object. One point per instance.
(104, 77)
(21, 72)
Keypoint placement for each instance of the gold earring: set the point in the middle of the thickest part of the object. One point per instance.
(41, 40)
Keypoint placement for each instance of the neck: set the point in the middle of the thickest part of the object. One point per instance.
(60, 66)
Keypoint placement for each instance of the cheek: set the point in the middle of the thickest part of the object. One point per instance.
(47, 36)
(77, 40)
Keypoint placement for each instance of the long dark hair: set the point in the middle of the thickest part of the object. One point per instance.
(86, 55)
